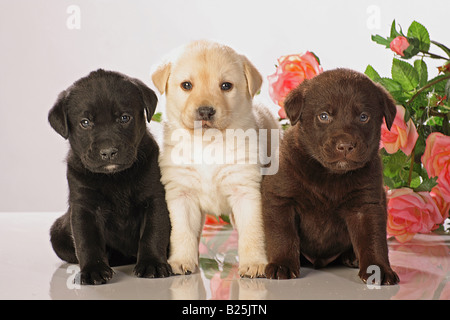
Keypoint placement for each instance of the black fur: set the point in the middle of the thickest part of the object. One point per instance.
(117, 211)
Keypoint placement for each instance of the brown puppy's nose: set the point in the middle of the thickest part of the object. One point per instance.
(206, 113)
(345, 147)
(108, 153)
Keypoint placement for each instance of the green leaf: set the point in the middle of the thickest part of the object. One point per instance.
(391, 85)
(394, 163)
(426, 185)
(380, 40)
(422, 70)
(157, 117)
(372, 74)
(405, 74)
(418, 31)
(394, 33)
(413, 48)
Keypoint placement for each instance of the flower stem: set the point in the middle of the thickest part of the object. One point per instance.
(432, 83)
(433, 56)
(411, 166)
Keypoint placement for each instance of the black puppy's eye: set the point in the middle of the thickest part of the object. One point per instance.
(124, 118)
(364, 117)
(85, 123)
(324, 117)
(187, 86)
(226, 86)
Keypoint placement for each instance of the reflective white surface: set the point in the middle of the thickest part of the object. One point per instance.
(29, 269)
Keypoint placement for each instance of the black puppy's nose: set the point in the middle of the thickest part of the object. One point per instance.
(345, 147)
(108, 153)
(206, 113)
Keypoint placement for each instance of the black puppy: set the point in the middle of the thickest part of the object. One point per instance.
(117, 210)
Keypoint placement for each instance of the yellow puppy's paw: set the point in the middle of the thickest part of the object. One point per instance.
(252, 270)
(183, 266)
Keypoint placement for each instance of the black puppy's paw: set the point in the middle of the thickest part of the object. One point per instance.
(281, 271)
(152, 269)
(378, 275)
(98, 273)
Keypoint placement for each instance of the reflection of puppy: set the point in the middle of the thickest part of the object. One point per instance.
(327, 198)
(213, 85)
(117, 210)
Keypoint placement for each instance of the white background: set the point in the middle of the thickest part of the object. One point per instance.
(40, 56)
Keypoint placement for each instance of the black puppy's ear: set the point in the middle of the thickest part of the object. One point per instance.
(388, 105)
(148, 96)
(57, 116)
(293, 103)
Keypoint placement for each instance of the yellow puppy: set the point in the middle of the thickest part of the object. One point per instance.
(210, 162)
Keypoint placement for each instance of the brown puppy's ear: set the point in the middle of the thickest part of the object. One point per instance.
(161, 75)
(293, 103)
(148, 96)
(57, 116)
(388, 105)
(254, 78)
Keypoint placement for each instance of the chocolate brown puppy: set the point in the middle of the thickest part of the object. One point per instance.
(327, 200)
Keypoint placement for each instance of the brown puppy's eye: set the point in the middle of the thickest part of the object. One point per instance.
(85, 123)
(363, 117)
(187, 86)
(324, 117)
(226, 86)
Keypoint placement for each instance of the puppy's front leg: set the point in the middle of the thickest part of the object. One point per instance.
(282, 240)
(187, 222)
(367, 228)
(89, 247)
(154, 241)
(246, 207)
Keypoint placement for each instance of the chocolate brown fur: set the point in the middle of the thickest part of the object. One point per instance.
(327, 200)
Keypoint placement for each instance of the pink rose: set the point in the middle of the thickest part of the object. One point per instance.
(436, 160)
(442, 201)
(402, 135)
(291, 71)
(443, 181)
(399, 45)
(437, 153)
(411, 212)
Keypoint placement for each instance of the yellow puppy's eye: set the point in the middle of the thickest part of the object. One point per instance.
(187, 86)
(226, 86)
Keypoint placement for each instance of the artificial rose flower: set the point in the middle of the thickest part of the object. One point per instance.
(442, 201)
(443, 181)
(291, 71)
(437, 154)
(411, 212)
(402, 135)
(399, 45)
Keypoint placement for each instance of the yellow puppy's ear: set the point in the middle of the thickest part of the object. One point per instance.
(160, 76)
(254, 78)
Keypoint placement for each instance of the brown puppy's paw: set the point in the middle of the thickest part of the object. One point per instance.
(278, 271)
(376, 275)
